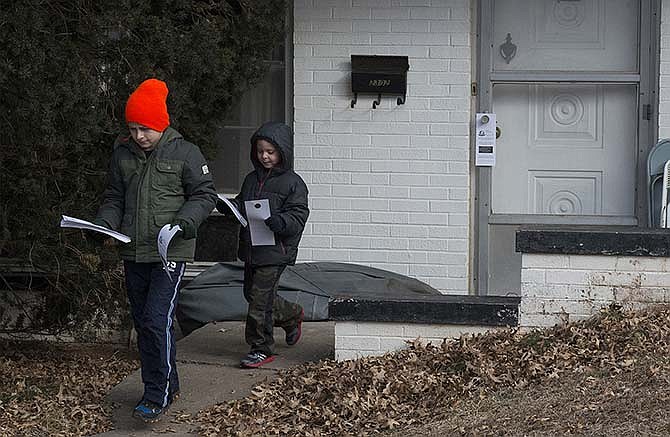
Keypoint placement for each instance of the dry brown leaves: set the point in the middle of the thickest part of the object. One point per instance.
(632, 402)
(374, 394)
(57, 390)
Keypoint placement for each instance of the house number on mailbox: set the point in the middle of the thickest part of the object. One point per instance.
(380, 82)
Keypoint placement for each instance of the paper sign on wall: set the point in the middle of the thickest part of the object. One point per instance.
(485, 139)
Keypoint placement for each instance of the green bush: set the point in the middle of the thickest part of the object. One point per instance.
(66, 69)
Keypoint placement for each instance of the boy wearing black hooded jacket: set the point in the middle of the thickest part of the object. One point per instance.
(273, 179)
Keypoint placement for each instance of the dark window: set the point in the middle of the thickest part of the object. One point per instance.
(264, 102)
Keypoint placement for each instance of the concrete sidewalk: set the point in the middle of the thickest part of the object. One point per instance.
(209, 373)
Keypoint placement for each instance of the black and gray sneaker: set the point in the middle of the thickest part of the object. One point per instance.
(148, 411)
(256, 359)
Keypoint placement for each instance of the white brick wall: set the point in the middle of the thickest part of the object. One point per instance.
(389, 187)
(555, 289)
(562, 288)
(358, 339)
(664, 78)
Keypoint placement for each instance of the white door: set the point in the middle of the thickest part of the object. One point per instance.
(564, 81)
(565, 149)
(567, 35)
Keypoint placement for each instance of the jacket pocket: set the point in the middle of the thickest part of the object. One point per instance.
(168, 175)
(161, 220)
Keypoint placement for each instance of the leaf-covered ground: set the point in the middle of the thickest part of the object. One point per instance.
(58, 389)
(633, 402)
(609, 375)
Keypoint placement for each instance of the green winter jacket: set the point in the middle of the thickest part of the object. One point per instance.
(144, 193)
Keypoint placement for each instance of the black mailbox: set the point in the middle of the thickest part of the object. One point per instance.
(379, 75)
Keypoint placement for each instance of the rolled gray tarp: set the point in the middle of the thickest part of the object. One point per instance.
(216, 293)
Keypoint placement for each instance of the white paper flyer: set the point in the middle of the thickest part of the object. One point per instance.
(71, 222)
(257, 212)
(164, 237)
(235, 211)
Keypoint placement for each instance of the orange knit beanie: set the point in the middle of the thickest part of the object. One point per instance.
(146, 105)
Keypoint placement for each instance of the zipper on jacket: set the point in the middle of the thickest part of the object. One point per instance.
(136, 219)
(258, 193)
(262, 182)
(147, 163)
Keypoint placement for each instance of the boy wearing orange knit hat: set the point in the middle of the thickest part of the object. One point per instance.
(155, 178)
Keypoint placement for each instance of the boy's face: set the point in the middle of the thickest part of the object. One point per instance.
(267, 154)
(145, 137)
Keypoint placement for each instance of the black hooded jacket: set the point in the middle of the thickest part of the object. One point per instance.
(286, 193)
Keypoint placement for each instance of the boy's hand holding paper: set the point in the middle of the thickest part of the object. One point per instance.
(224, 204)
(166, 235)
(275, 223)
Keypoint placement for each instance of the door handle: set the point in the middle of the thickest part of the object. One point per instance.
(498, 132)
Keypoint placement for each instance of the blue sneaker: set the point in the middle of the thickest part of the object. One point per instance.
(148, 411)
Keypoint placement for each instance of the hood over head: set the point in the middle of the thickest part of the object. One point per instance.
(281, 137)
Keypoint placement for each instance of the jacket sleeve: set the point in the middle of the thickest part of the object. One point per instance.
(295, 210)
(111, 210)
(198, 189)
(239, 200)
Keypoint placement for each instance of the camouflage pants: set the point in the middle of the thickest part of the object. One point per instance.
(266, 308)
